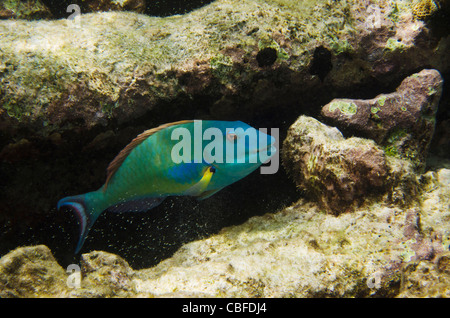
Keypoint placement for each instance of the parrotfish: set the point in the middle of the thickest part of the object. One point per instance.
(186, 158)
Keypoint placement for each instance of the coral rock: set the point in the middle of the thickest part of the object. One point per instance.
(341, 173)
(24, 9)
(402, 122)
(31, 272)
(334, 170)
(425, 8)
(300, 252)
(425, 279)
(259, 53)
(110, 273)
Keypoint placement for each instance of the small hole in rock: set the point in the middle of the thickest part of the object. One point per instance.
(321, 63)
(266, 56)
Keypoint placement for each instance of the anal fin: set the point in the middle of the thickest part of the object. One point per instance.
(137, 205)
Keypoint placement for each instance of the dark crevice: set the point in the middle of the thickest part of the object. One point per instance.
(266, 57)
(161, 8)
(321, 64)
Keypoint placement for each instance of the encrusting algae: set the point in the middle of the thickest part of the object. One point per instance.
(426, 8)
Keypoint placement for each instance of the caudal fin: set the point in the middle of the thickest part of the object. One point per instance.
(86, 215)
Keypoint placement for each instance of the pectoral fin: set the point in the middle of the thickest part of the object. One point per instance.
(202, 185)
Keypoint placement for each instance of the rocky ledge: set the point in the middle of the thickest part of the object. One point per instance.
(239, 56)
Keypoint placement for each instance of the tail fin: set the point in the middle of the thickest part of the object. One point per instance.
(86, 215)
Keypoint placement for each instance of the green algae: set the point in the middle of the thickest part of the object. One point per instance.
(374, 109)
(431, 91)
(108, 108)
(391, 147)
(398, 145)
(394, 13)
(394, 45)
(341, 46)
(381, 100)
(221, 65)
(347, 108)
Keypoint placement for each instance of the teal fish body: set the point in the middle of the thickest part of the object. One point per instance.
(194, 158)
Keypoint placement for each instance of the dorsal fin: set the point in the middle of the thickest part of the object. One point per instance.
(120, 158)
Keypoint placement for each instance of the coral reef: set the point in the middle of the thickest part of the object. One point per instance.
(73, 92)
(33, 272)
(401, 122)
(341, 173)
(379, 250)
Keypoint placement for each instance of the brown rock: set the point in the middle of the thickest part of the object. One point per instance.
(337, 172)
(31, 272)
(424, 279)
(6, 14)
(108, 271)
(402, 122)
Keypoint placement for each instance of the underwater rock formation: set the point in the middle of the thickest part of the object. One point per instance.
(105, 275)
(261, 61)
(338, 172)
(74, 92)
(401, 122)
(119, 66)
(303, 252)
(24, 9)
(31, 272)
(426, 278)
(379, 250)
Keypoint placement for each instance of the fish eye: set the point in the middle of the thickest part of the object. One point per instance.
(232, 137)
